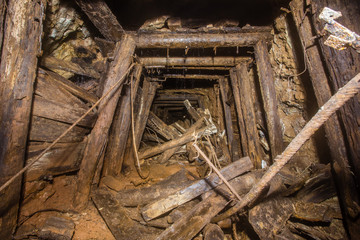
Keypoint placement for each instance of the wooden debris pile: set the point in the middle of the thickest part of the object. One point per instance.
(297, 206)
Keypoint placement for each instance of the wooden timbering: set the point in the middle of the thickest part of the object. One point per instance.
(103, 19)
(23, 24)
(199, 39)
(267, 87)
(343, 175)
(98, 137)
(241, 83)
(140, 119)
(228, 119)
(193, 61)
(120, 128)
(2, 19)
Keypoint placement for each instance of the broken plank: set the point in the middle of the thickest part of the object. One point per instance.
(213, 232)
(267, 86)
(53, 63)
(187, 137)
(60, 159)
(117, 219)
(61, 112)
(98, 137)
(21, 37)
(103, 19)
(47, 130)
(193, 113)
(168, 186)
(199, 216)
(156, 124)
(164, 205)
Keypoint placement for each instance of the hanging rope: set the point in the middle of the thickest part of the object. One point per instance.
(111, 90)
(325, 112)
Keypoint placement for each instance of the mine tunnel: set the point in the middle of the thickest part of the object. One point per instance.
(154, 119)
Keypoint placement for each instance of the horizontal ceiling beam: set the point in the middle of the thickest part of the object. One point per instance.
(193, 76)
(193, 61)
(200, 39)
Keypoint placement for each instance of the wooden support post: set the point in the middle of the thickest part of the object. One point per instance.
(199, 39)
(239, 112)
(20, 50)
(193, 61)
(340, 163)
(146, 99)
(98, 137)
(2, 19)
(228, 119)
(103, 19)
(119, 132)
(267, 81)
(244, 86)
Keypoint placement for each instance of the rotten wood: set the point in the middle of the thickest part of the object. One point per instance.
(103, 19)
(228, 118)
(248, 108)
(213, 232)
(199, 40)
(117, 219)
(345, 182)
(193, 113)
(190, 134)
(170, 185)
(62, 158)
(98, 137)
(192, 76)
(193, 61)
(2, 19)
(47, 130)
(156, 124)
(120, 128)
(267, 86)
(59, 64)
(170, 202)
(23, 24)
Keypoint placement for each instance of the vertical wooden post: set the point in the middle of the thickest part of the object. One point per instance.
(241, 83)
(120, 129)
(266, 78)
(228, 119)
(98, 137)
(2, 18)
(19, 58)
(146, 99)
(343, 175)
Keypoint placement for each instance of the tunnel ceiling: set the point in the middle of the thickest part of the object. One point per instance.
(133, 13)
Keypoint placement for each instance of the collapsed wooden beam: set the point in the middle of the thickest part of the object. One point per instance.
(21, 47)
(193, 61)
(200, 39)
(98, 137)
(103, 19)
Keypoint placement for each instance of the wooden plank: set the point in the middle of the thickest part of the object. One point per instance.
(53, 63)
(103, 19)
(98, 137)
(248, 107)
(70, 86)
(213, 232)
(192, 76)
(120, 129)
(21, 46)
(61, 112)
(187, 137)
(117, 219)
(346, 186)
(47, 130)
(228, 119)
(170, 185)
(240, 113)
(193, 61)
(2, 19)
(194, 190)
(199, 216)
(199, 40)
(267, 81)
(156, 124)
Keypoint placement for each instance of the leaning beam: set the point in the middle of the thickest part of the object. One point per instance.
(200, 39)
